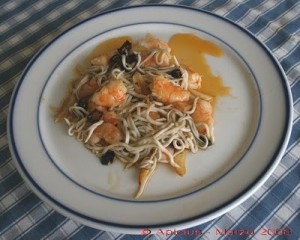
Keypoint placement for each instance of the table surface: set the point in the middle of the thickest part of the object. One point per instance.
(26, 26)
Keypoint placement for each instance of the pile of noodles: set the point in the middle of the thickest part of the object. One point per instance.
(146, 141)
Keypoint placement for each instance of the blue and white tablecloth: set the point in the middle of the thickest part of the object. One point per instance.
(273, 212)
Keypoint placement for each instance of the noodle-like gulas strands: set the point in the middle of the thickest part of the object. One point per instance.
(146, 140)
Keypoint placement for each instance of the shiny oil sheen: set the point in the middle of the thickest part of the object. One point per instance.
(191, 50)
(108, 46)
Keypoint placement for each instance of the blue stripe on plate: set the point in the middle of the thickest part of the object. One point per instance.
(166, 199)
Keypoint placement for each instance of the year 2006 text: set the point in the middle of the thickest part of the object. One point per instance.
(262, 231)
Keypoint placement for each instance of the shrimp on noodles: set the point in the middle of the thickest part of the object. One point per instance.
(108, 132)
(160, 52)
(111, 94)
(139, 105)
(165, 91)
(203, 118)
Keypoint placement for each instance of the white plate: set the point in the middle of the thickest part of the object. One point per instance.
(252, 128)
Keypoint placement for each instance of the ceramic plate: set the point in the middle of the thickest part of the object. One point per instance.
(252, 127)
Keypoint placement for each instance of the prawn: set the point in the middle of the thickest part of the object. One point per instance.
(107, 132)
(140, 84)
(110, 117)
(110, 95)
(194, 79)
(203, 115)
(87, 89)
(161, 57)
(164, 90)
(152, 43)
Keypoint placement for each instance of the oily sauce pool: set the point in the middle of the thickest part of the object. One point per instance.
(191, 50)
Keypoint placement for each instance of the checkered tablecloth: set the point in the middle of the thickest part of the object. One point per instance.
(26, 26)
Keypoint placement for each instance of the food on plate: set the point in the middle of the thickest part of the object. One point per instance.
(138, 104)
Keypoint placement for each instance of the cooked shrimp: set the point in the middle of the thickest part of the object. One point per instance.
(140, 84)
(203, 114)
(154, 115)
(107, 132)
(151, 43)
(110, 117)
(111, 94)
(164, 90)
(194, 80)
(161, 57)
(88, 88)
(183, 106)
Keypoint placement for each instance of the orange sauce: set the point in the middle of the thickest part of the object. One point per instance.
(191, 50)
(109, 46)
(104, 48)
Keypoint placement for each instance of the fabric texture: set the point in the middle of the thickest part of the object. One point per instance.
(273, 212)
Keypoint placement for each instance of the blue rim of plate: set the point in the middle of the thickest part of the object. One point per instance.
(233, 201)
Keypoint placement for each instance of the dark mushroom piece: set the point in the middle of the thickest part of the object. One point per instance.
(107, 157)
